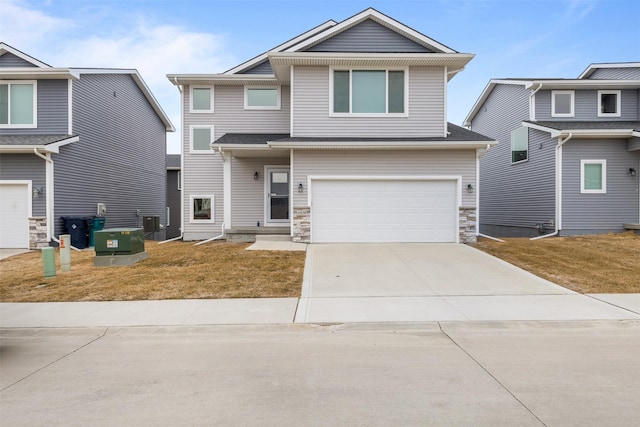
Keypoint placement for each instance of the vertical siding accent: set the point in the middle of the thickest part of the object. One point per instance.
(426, 108)
(369, 36)
(584, 213)
(53, 113)
(119, 159)
(9, 60)
(631, 73)
(383, 162)
(25, 167)
(514, 195)
(247, 204)
(586, 106)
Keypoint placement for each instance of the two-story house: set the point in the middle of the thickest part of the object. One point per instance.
(76, 142)
(337, 135)
(568, 158)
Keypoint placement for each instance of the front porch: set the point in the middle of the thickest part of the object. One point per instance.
(248, 234)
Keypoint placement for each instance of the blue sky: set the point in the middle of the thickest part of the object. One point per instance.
(510, 38)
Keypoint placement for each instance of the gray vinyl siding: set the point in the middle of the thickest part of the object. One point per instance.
(53, 111)
(9, 60)
(514, 195)
(26, 167)
(586, 106)
(426, 108)
(381, 163)
(634, 144)
(119, 159)
(173, 203)
(262, 68)
(592, 213)
(631, 73)
(369, 36)
(247, 205)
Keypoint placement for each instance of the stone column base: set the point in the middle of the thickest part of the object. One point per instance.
(301, 224)
(467, 224)
(38, 233)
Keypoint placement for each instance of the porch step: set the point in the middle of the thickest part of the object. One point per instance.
(273, 238)
(632, 226)
(249, 234)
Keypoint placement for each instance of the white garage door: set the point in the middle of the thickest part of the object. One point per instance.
(14, 216)
(383, 211)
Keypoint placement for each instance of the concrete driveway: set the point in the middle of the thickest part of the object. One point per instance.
(429, 282)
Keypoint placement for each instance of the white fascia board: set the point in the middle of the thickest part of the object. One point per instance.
(485, 94)
(379, 18)
(22, 148)
(6, 48)
(584, 133)
(593, 67)
(586, 84)
(223, 79)
(258, 59)
(38, 73)
(226, 147)
(383, 145)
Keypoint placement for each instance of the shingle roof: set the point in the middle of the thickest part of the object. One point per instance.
(594, 125)
(32, 139)
(456, 133)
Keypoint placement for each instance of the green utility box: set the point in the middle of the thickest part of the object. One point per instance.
(119, 241)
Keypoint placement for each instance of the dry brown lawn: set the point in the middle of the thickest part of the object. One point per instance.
(173, 270)
(588, 264)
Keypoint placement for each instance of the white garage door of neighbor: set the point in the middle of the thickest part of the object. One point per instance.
(383, 211)
(14, 216)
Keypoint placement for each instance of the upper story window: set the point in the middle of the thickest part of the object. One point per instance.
(369, 92)
(520, 145)
(261, 98)
(562, 103)
(608, 103)
(201, 138)
(593, 176)
(18, 104)
(201, 99)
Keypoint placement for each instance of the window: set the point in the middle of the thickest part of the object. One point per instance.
(18, 104)
(520, 145)
(202, 209)
(593, 176)
(369, 92)
(608, 103)
(201, 137)
(179, 180)
(262, 98)
(562, 103)
(201, 99)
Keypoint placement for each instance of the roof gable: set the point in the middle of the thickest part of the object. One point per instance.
(17, 58)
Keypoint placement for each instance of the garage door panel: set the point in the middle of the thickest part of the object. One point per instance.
(14, 216)
(384, 211)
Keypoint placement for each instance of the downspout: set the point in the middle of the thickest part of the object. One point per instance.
(213, 238)
(558, 221)
(532, 106)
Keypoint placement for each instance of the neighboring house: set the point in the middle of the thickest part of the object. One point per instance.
(174, 195)
(337, 135)
(568, 158)
(73, 141)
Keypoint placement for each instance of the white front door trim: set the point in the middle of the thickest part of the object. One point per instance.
(268, 169)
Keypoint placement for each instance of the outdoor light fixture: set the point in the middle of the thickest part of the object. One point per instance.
(255, 176)
(469, 188)
(300, 188)
(632, 171)
(36, 192)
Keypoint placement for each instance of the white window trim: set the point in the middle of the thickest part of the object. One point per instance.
(191, 109)
(553, 103)
(249, 107)
(179, 180)
(191, 149)
(618, 113)
(511, 151)
(192, 220)
(406, 92)
(603, 190)
(35, 105)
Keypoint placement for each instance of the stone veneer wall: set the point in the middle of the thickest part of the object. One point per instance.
(467, 227)
(38, 233)
(302, 224)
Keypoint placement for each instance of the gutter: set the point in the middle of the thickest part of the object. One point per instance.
(558, 222)
(532, 105)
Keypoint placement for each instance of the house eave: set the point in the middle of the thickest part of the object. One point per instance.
(585, 133)
(54, 147)
(38, 73)
(382, 145)
(223, 79)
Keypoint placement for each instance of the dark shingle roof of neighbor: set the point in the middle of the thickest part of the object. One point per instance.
(32, 139)
(456, 133)
(603, 125)
(173, 161)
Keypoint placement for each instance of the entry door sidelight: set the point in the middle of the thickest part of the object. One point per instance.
(278, 186)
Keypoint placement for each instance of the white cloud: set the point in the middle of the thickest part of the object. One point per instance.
(21, 26)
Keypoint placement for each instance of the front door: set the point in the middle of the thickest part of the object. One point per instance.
(277, 195)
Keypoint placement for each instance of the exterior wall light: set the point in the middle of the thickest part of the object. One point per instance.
(300, 188)
(256, 176)
(37, 191)
(632, 172)
(469, 188)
